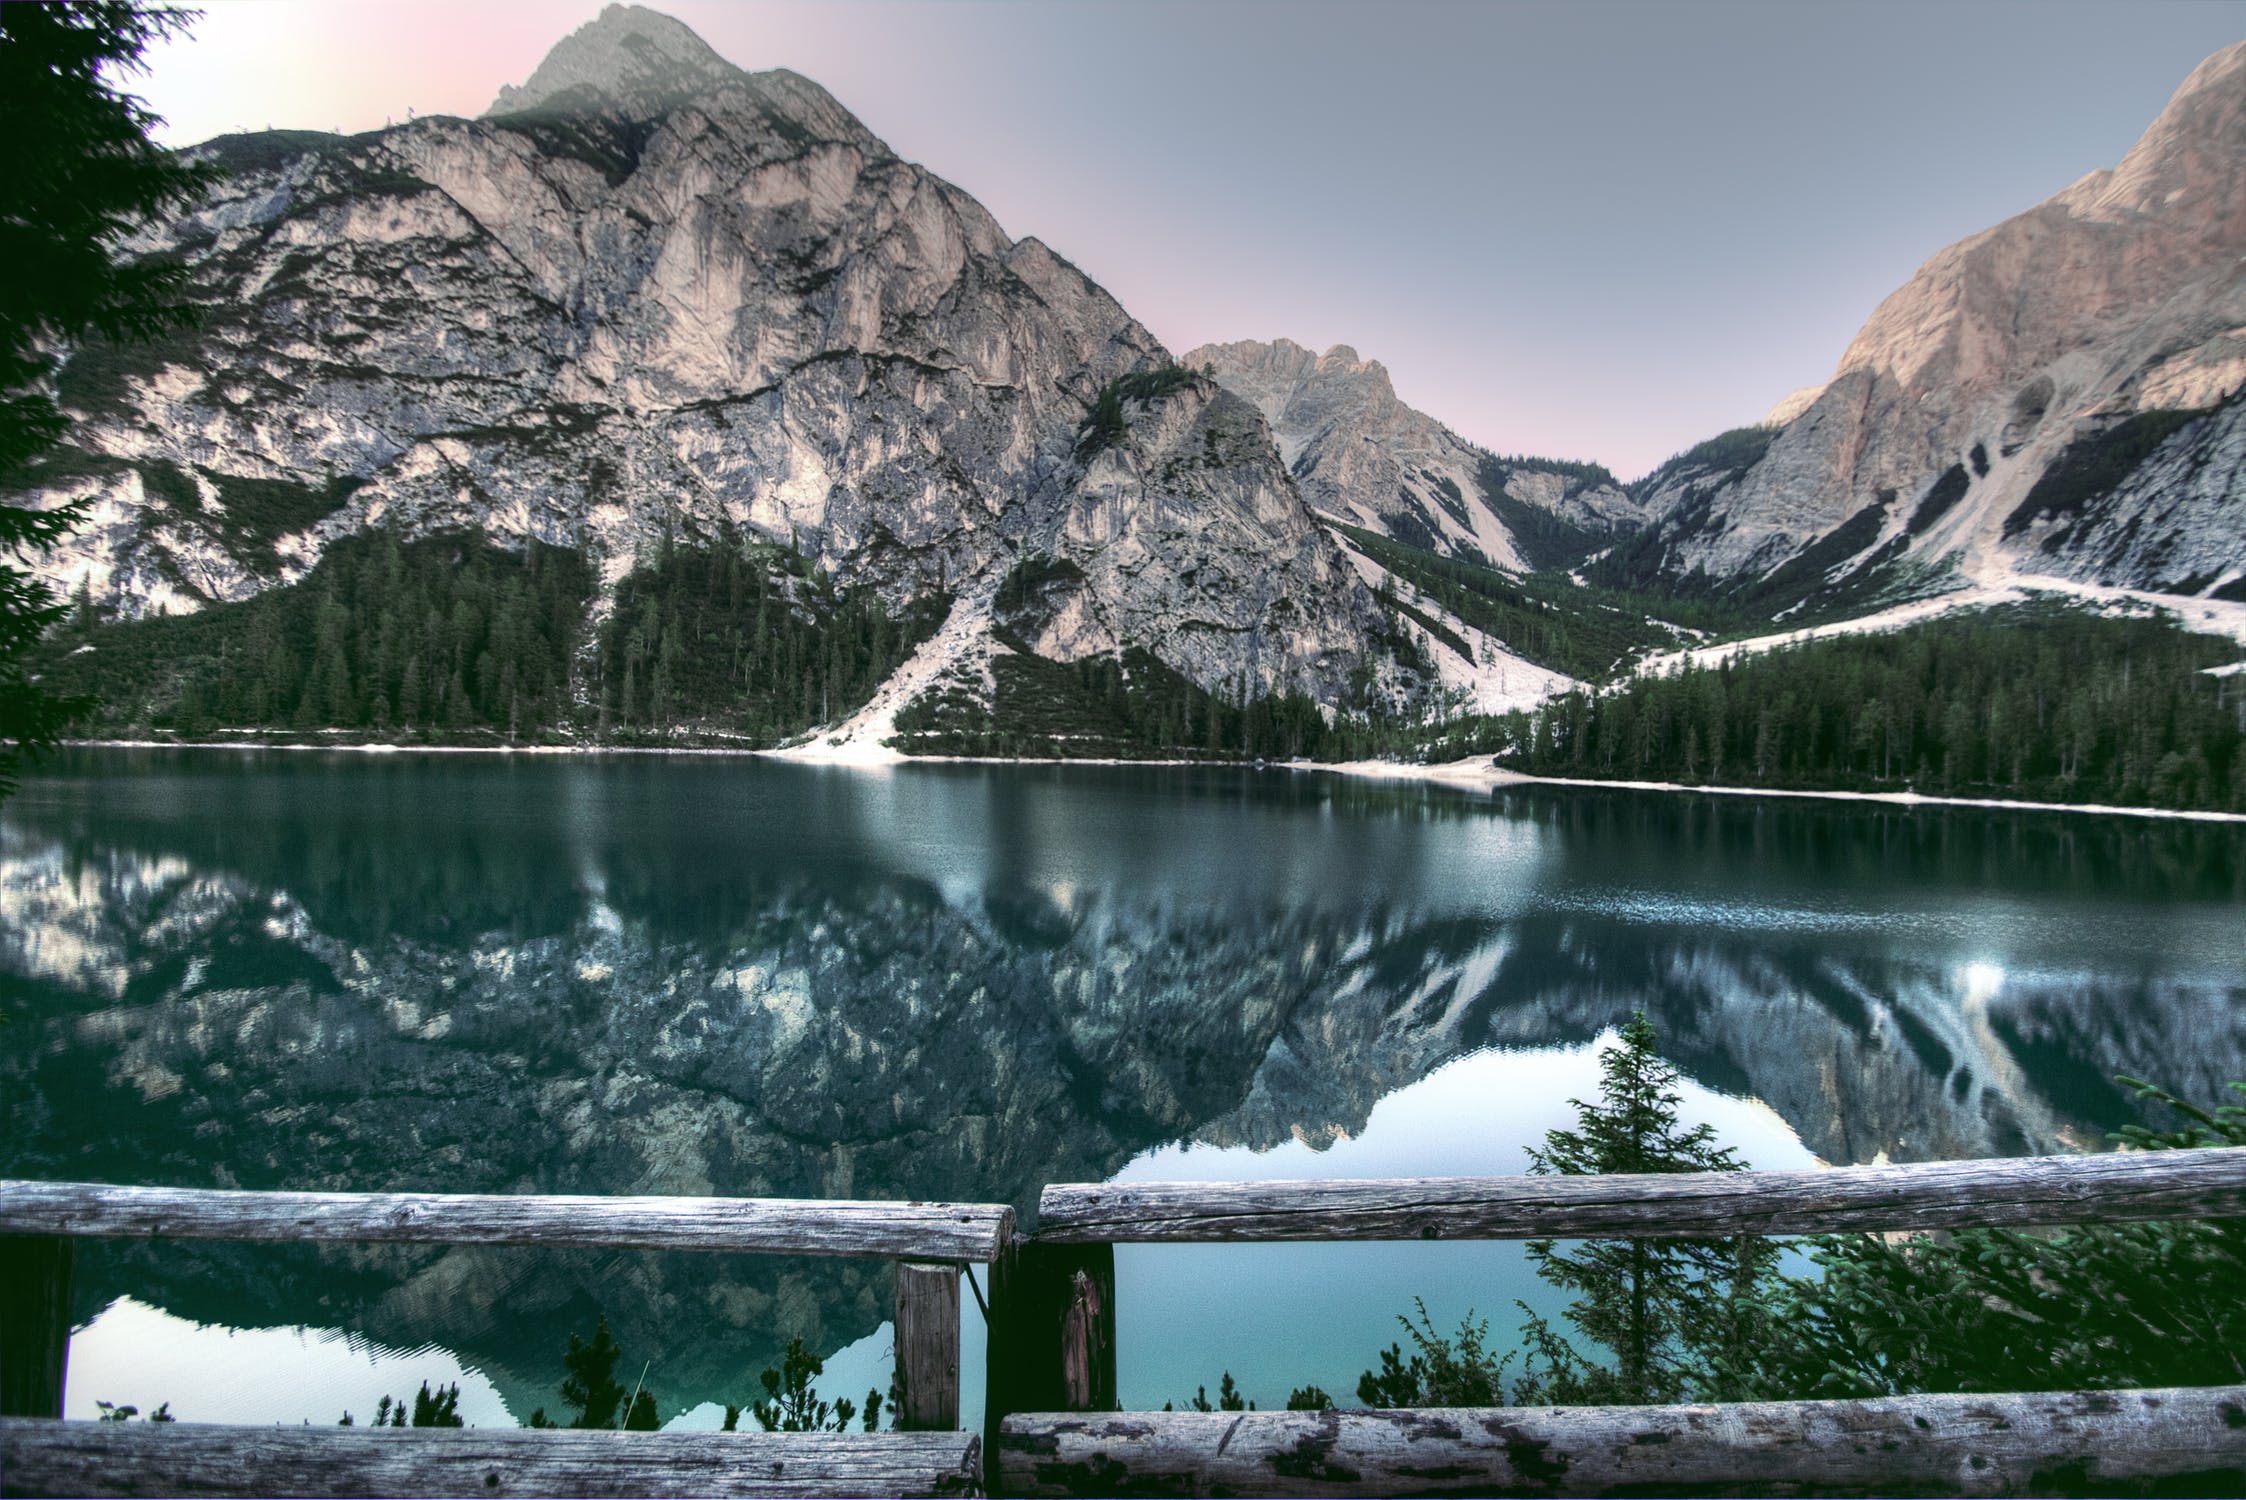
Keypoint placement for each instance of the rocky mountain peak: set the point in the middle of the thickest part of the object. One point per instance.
(2196, 147)
(1361, 455)
(629, 58)
(2056, 396)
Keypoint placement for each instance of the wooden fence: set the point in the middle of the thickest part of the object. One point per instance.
(1050, 1421)
(930, 1243)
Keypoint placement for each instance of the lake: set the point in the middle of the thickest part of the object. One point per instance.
(690, 974)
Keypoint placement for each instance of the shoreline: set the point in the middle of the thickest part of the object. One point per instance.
(1477, 773)
(1474, 773)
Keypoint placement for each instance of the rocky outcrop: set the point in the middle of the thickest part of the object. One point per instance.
(1362, 455)
(652, 295)
(2001, 360)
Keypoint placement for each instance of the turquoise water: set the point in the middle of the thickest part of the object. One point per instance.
(716, 975)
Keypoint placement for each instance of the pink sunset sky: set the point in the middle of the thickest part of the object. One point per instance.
(1602, 230)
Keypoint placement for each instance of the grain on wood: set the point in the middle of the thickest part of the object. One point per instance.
(34, 1324)
(2190, 1441)
(2044, 1190)
(1052, 1333)
(927, 1347)
(114, 1458)
(794, 1226)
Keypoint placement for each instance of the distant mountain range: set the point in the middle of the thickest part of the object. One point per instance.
(651, 307)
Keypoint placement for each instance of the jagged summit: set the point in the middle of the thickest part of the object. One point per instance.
(637, 60)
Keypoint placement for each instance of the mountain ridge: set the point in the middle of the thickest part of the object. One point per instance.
(653, 295)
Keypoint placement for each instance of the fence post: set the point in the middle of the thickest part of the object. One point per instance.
(927, 1346)
(34, 1323)
(1052, 1334)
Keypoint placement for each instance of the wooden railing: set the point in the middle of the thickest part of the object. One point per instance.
(1050, 1424)
(1050, 1428)
(928, 1455)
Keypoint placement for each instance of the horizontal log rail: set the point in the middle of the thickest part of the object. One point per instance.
(2186, 1441)
(2117, 1187)
(793, 1226)
(39, 1457)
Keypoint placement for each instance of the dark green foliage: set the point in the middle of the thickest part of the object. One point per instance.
(95, 380)
(270, 150)
(1653, 1306)
(1575, 471)
(1727, 454)
(1108, 420)
(591, 1384)
(1228, 1398)
(252, 514)
(1132, 707)
(1026, 595)
(1454, 1371)
(1804, 576)
(1547, 619)
(2040, 703)
(2087, 471)
(437, 637)
(439, 1408)
(1940, 496)
(749, 640)
(598, 137)
(111, 1412)
(431, 1408)
(1309, 1398)
(1543, 539)
(592, 1387)
(78, 172)
(790, 1404)
(1389, 599)
(2099, 1307)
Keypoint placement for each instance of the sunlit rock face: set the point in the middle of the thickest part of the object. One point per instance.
(650, 294)
(2119, 296)
(1362, 455)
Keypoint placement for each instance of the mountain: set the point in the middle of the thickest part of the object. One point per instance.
(652, 302)
(2055, 400)
(1362, 455)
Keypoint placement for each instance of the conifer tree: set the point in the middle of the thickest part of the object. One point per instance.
(1651, 1305)
(77, 173)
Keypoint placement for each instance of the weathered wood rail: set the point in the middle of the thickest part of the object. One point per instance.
(928, 1455)
(113, 1458)
(787, 1226)
(1050, 1425)
(2075, 1442)
(2024, 1192)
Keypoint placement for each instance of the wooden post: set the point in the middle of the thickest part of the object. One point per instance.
(1052, 1335)
(34, 1324)
(927, 1346)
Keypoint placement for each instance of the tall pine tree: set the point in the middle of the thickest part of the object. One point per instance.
(1652, 1306)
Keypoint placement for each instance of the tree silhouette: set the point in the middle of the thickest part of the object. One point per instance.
(77, 172)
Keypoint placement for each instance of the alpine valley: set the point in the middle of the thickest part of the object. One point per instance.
(664, 404)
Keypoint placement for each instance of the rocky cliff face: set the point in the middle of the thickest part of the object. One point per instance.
(2058, 395)
(649, 294)
(1362, 455)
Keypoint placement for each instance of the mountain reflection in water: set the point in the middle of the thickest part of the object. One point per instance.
(701, 975)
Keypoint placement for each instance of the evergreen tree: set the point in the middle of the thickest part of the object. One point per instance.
(2096, 1307)
(591, 1385)
(77, 173)
(1651, 1305)
(791, 1404)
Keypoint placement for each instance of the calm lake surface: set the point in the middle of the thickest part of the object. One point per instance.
(641, 974)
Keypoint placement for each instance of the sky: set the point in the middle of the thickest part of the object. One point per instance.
(1598, 230)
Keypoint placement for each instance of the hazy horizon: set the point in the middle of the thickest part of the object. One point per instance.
(1601, 231)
